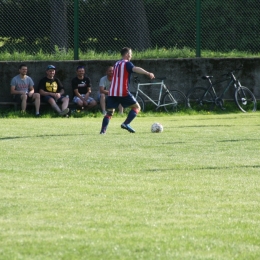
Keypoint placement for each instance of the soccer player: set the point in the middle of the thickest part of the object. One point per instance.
(119, 91)
(104, 86)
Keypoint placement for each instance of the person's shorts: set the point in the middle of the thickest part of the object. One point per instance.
(46, 99)
(114, 102)
(76, 99)
(17, 98)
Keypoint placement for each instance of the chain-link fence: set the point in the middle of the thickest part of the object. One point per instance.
(46, 26)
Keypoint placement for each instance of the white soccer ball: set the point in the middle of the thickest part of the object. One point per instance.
(156, 128)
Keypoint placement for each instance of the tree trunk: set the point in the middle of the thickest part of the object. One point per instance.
(136, 26)
(58, 24)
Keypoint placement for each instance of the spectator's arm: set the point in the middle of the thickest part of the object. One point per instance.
(16, 92)
(76, 93)
(103, 90)
(31, 89)
(45, 93)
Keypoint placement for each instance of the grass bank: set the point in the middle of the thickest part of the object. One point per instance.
(157, 53)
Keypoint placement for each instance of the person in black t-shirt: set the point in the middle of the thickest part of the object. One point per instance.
(81, 86)
(52, 92)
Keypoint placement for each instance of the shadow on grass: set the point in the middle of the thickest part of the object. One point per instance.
(205, 168)
(237, 140)
(36, 136)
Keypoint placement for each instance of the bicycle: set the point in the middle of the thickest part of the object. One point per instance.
(172, 100)
(200, 98)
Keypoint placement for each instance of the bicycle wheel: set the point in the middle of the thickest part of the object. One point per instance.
(245, 100)
(174, 101)
(198, 100)
(140, 100)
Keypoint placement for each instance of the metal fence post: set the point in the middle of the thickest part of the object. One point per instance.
(198, 28)
(76, 29)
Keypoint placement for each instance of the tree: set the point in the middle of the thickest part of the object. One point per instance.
(136, 26)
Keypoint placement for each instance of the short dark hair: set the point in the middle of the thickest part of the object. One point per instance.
(80, 67)
(110, 66)
(22, 65)
(125, 50)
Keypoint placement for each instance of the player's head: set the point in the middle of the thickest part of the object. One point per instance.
(126, 53)
(109, 71)
(23, 69)
(50, 71)
(80, 70)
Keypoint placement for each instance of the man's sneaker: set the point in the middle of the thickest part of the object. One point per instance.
(64, 112)
(38, 115)
(128, 128)
(102, 133)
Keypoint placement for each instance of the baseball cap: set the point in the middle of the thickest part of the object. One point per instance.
(51, 67)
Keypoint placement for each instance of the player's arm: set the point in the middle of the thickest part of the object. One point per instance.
(142, 71)
(16, 92)
(46, 93)
(89, 85)
(42, 91)
(61, 92)
(77, 94)
(31, 89)
(103, 90)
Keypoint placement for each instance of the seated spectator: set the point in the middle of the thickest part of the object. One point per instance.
(81, 86)
(52, 91)
(22, 89)
(104, 85)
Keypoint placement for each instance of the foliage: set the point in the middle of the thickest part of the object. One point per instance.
(157, 53)
(32, 26)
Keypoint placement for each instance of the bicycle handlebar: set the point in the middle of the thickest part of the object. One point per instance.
(231, 72)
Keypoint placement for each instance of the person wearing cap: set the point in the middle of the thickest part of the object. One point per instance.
(22, 89)
(81, 86)
(52, 91)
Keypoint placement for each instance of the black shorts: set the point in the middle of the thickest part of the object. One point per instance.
(17, 98)
(114, 102)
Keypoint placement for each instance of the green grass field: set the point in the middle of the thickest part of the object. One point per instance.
(191, 192)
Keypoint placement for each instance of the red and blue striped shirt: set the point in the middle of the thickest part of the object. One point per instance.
(121, 78)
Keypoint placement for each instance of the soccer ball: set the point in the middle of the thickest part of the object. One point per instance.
(156, 128)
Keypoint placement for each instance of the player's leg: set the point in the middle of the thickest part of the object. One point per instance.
(37, 101)
(52, 102)
(90, 102)
(131, 102)
(120, 109)
(102, 100)
(23, 102)
(64, 103)
(76, 100)
(112, 103)
(54, 105)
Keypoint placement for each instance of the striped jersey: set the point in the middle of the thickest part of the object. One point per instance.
(121, 78)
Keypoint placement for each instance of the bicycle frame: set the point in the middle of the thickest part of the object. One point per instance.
(207, 98)
(162, 87)
(230, 83)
